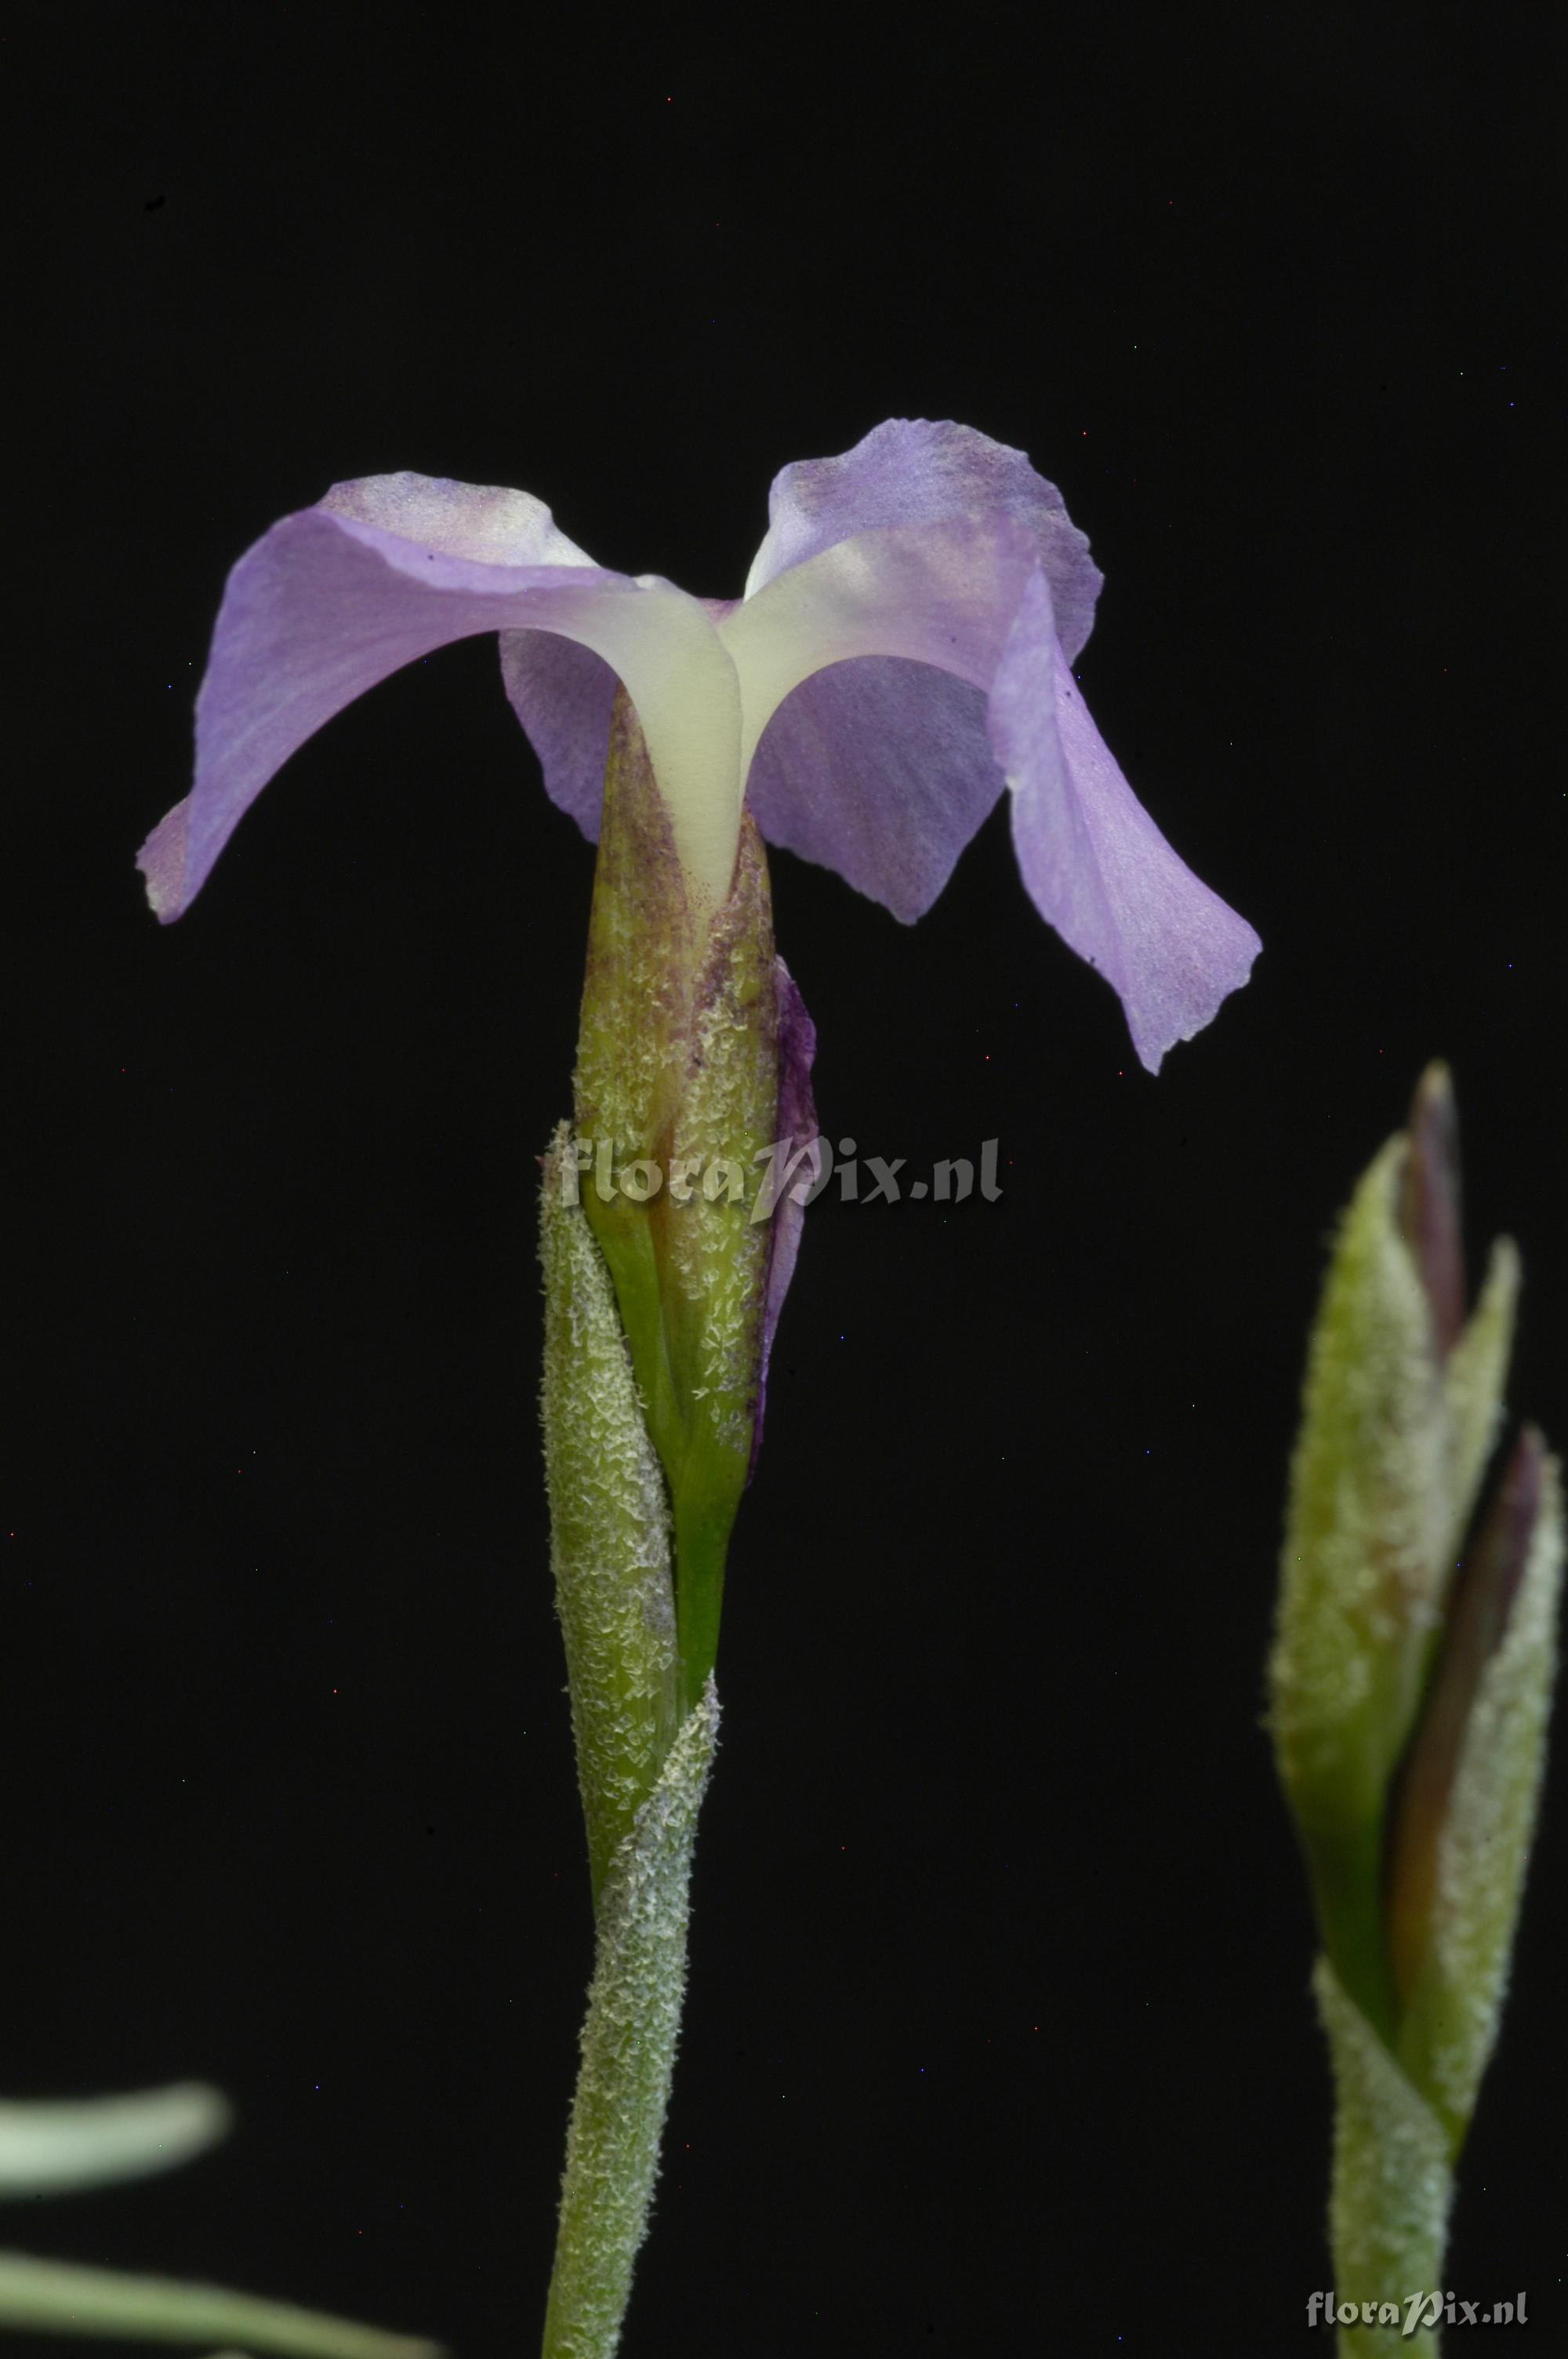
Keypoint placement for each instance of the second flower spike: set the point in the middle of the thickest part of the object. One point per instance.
(1412, 1677)
(1402, 1403)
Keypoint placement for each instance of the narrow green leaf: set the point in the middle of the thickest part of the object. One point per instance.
(50, 2147)
(60, 2297)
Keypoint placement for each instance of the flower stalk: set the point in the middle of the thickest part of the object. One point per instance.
(900, 659)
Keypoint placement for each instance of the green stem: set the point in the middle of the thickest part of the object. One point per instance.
(628, 2055)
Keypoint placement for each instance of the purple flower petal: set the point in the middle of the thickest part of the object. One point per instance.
(970, 598)
(910, 471)
(879, 768)
(380, 572)
(563, 694)
(1095, 866)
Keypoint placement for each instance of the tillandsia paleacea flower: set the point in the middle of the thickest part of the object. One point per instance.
(900, 657)
(1412, 1677)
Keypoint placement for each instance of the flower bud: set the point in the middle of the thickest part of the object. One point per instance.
(1465, 1806)
(1429, 1204)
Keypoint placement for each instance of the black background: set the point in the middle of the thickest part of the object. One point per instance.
(998, 2034)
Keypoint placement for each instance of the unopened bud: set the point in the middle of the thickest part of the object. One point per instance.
(1429, 1204)
(1464, 1810)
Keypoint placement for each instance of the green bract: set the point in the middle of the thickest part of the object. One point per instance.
(676, 1097)
(609, 1529)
